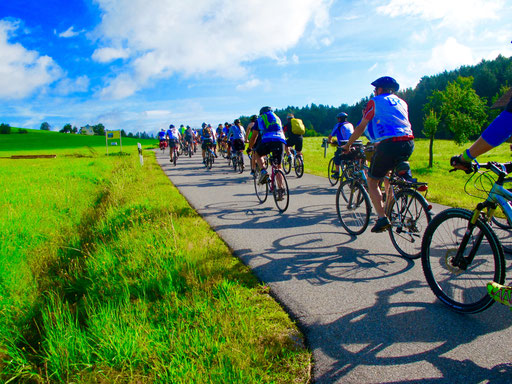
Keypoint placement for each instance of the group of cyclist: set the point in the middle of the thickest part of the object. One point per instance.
(385, 123)
(176, 137)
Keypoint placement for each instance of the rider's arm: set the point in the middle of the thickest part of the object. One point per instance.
(358, 131)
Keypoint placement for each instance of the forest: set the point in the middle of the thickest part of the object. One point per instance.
(489, 80)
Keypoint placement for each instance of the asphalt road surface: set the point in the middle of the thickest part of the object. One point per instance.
(367, 313)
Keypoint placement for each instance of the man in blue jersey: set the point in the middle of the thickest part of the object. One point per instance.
(236, 137)
(270, 129)
(342, 130)
(386, 119)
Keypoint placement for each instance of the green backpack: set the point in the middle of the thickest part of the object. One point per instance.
(298, 127)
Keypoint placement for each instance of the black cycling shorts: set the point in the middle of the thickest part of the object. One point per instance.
(237, 145)
(173, 143)
(388, 155)
(295, 141)
(274, 147)
(206, 144)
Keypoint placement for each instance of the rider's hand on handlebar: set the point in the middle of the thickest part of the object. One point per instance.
(345, 148)
(458, 163)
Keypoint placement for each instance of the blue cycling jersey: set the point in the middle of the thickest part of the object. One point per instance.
(499, 130)
(342, 131)
(271, 128)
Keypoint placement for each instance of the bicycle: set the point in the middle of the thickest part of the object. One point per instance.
(408, 211)
(237, 158)
(460, 251)
(174, 154)
(209, 158)
(293, 159)
(277, 176)
(331, 167)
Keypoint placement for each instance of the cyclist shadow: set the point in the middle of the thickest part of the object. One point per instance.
(380, 337)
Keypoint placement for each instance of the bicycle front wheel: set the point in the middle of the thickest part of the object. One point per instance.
(353, 206)
(299, 166)
(462, 288)
(281, 191)
(503, 230)
(331, 168)
(409, 215)
(261, 189)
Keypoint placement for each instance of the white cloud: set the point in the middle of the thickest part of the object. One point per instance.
(250, 84)
(455, 13)
(449, 55)
(69, 33)
(22, 72)
(214, 37)
(68, 86)
(106, 55)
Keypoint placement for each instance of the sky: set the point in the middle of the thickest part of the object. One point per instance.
(141, 65)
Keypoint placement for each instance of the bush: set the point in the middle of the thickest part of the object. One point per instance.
(22, 130)
(5, 129)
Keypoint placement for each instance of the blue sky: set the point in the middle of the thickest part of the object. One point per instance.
(140, 65)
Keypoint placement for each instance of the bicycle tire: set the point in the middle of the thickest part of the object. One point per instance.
(406, 234)
(299, 167)
(330, 169)
(463, 291)
(175, 156)
(354, 216)
(282, 205)
(260, 189)
(209, 161)
(287, 164)
(240, 160)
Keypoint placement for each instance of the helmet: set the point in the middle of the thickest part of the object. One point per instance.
(254, 118)
(265, 110)
(203, 125)
(188, 126)
(342, 115)
(237, 121)
(387, 83)
(226, 123)
(163, 130)
(181, 125)
(290, 116)
(171, 126)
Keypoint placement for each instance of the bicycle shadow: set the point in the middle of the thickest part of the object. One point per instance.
(369, 344)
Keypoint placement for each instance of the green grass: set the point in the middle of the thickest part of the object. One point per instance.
(110, 276)
(444, 187)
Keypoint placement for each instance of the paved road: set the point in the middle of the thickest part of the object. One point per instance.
(367, 313)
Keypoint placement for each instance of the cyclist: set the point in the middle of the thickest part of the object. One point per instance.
(270, 129)
(495, 134)
(214, 140)
(292, 139)
(236, 137)
(174, 137)
(206, 139)
(161, 137)
(252, 143)
(387, 119)
(189, 137)
(342, 130)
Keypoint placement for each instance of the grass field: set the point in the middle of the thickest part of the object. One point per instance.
(444, 187)
(109, 276)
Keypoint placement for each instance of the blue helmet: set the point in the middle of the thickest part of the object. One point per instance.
(386, 82)
(342, 115)
(265, 110)
(171, 126)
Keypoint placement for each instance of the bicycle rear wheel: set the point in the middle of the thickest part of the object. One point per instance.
(281, 195)
(353, 206)
(287, 163)
(175, 156)
(331, 168)
(409, 215)
(240, 160)
(462, 289)
(299, 166)
(261, 189)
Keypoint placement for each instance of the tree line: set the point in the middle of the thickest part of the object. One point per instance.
(467, 92)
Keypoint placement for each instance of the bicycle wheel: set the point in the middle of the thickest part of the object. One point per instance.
(190, 151)
(287, 163)
(353, 206)
(409, 215)
(209, 161)
(503, 230)
(281, 195)
(223, 152)
(462, 289)
(330, 170)
(299, 166)
(240, 160)
(261, 189)
(175, 156)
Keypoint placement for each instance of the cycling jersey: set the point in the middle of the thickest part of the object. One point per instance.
(499, 130)
(206, 135)
(388, 118)
(342, 131)
(270, 127)
(161, 135)
(173, 134)
(236, 132)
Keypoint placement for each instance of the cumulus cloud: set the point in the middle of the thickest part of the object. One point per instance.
(67, 86)
(106, 55)
(456, 13)
(69, 33)
(214, 37)
(449, 55)
(22, 71)
(250, 84)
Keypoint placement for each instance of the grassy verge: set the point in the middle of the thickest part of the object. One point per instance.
(109, 276)
(444, 187)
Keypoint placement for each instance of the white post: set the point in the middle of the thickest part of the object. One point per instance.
(106, 140)
(140, 154)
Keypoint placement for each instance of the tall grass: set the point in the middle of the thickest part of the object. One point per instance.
(444, 187)
(110, 276)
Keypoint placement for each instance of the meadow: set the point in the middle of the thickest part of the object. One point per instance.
(109, 276)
